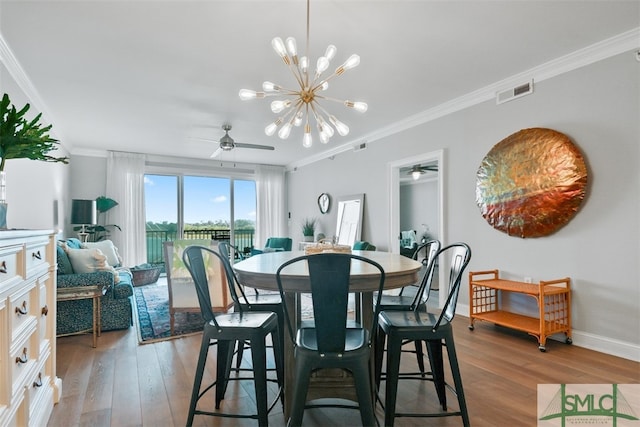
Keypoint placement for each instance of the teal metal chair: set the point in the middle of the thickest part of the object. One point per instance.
(405, 301)
(330, 342)
(251, 302)
(437, 331)
(275, 244)
(363, 245)
(225, 329)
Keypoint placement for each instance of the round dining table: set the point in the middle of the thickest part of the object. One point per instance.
(259, 271)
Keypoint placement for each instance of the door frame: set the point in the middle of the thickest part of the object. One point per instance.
(393, 182)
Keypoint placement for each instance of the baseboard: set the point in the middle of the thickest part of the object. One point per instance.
(606, 345)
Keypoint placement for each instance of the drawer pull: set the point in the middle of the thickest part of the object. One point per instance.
(45, 310)
(22, 310)
(36, 255)
(38, 381)
(23, 358)
(3, 267)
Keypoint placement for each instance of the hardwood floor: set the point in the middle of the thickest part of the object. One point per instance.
(121, 383)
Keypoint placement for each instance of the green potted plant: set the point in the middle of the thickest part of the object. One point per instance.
(308, 229)
(21, 139)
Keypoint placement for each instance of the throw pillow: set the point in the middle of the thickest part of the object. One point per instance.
(90, 261)
(108, 249)
(64, 265)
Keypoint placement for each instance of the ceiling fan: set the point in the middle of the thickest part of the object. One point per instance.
(418, 170)
(227, 143)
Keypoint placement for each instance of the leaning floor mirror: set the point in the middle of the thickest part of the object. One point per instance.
(350, 213)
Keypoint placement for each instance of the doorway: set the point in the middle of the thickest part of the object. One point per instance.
(398, 172)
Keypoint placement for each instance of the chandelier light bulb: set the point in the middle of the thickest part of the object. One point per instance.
(342, 129)
(297, 121)
(360, 107)
(307, 140)
(304, 64)
(284, 131)
(324, 86)
(271, 128)
(330, 53)
(352, 62)
(291, 46)
(278, 46)
(248, 94)
(270, 87)
(321, 65)
(279, 106)
(324, 138)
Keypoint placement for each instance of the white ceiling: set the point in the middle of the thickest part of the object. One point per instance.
(155, 76)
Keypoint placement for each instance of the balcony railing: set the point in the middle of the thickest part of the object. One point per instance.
(243, 240)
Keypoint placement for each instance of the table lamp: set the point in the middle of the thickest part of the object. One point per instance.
(83, 212)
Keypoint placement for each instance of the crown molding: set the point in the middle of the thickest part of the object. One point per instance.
(604, 49)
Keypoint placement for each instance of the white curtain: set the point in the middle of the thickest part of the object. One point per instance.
(125, 185)
(271, 218)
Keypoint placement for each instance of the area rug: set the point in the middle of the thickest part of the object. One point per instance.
(152, 316)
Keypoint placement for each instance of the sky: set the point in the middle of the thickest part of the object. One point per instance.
(205, 199)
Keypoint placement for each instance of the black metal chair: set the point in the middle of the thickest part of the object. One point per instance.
(437, 331)
(330, 343)
(252, 302)
(225, 329)
(405, 302)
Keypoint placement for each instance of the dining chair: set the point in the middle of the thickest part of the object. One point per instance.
(404, 301)
(250, 302)
(437, 331)
(225, 329)
(329, 342)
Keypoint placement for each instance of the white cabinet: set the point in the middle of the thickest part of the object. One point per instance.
(28, 383)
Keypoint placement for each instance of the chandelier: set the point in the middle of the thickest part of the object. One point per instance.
(296, 106)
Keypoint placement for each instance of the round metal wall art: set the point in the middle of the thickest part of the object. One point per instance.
(531, 183)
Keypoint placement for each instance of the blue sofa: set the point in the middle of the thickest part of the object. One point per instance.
(77, 316)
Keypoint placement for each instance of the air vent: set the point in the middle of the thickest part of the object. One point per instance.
(360, 147)
(515, 92)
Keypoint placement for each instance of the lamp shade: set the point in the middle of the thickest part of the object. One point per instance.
(83, 211)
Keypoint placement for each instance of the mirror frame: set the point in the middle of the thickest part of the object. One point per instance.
(344, 203)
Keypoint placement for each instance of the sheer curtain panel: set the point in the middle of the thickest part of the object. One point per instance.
(271, 219)
(125, 185)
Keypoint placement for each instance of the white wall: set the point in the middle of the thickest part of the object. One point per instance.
(597, 106)
(37, 192)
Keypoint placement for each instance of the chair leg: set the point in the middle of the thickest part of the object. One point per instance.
(394, 349)
(239, 353)
(379, 355)
(302, 376)
(362, 378)
(457, 379)
(278, 355)
(259, 360)
(434, 349)
(223, 367)
(420, 357)
(197, 381)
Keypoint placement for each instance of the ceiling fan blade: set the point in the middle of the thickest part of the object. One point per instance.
(217, 153)
(259, 147)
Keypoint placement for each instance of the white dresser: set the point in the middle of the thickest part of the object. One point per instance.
(28, 383)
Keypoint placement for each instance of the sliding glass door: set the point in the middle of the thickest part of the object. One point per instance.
(198, 207)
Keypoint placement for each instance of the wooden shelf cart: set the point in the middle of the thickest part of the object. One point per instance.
(553, 299)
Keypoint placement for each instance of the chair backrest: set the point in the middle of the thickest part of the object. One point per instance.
(459, 255)
(432, 248)
(236, 291)
(182, 294)
(363, 245)
(196, 259)
(284, 243)
(329, 279)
